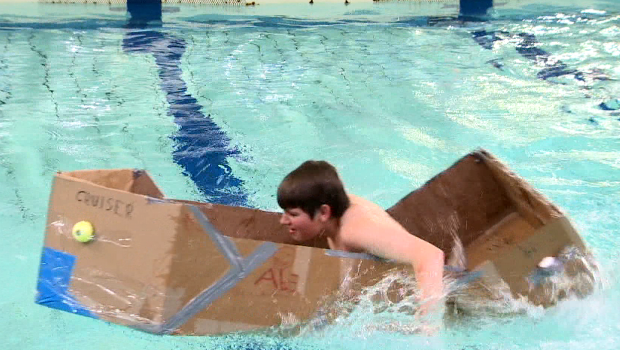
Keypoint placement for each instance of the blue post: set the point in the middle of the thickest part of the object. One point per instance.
(474, 7)
(144, 11)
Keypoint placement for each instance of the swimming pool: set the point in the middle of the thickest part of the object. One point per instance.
(389, 96)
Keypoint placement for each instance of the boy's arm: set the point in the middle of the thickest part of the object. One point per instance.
(388, 239)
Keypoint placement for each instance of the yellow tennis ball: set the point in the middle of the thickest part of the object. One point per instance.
(83, 231)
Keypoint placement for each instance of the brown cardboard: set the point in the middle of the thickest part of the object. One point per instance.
(505, 225)
(161, 266)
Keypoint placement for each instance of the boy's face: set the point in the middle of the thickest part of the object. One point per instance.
(300, 225)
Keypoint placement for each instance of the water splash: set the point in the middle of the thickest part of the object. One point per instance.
(571, 274)
(391, 306)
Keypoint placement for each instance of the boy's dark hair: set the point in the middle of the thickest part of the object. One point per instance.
(311, 185)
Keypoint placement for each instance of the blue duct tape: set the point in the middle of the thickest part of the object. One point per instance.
(240, 269)
(54, 282)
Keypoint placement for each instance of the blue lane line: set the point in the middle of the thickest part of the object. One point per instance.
(528, 48)
(201, 147)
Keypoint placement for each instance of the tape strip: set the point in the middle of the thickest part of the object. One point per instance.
(54, 285)
(223, 243)
(466, 276)
(350, 255)
(240, 269)
(153, 200)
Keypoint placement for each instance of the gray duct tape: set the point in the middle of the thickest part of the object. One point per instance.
(200, 302)
(466, 276)
(223, 243)
(343, 254)
(234, 276)
(153, 200)
(240, 269)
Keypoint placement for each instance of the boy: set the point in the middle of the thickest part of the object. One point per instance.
(315, 204)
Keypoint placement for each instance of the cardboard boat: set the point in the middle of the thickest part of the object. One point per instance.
(178, 267)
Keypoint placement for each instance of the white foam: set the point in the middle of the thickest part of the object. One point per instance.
(594, 12)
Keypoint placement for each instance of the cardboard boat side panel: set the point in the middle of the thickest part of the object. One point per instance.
(288, 287)
(119, 179)
(464, 200)
(273, 293)
(196, 263)
(240, 222)
(531, 204)
(115, 277)
(548, 240)
(143, 184)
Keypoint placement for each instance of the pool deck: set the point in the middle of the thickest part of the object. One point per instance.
(320, 8)
(428, 5)
(293, 8)
(438, 3)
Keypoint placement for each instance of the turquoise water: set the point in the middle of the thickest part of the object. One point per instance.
(388, 97)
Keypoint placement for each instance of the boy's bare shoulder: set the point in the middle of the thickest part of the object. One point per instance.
(365, 223)
(364, 214)
(363, 207)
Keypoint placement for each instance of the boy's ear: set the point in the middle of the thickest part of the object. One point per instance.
(324, 212)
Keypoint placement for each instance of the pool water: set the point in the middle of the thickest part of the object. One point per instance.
(219, 104)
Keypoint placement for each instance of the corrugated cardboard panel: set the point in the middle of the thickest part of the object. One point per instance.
(516, 262)
(240, 222)
(531, 204)
(504, 235)
(464, 199)
(121, 275)
(119, 179)
(196, 263)
(143, 184)
(287, 288)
